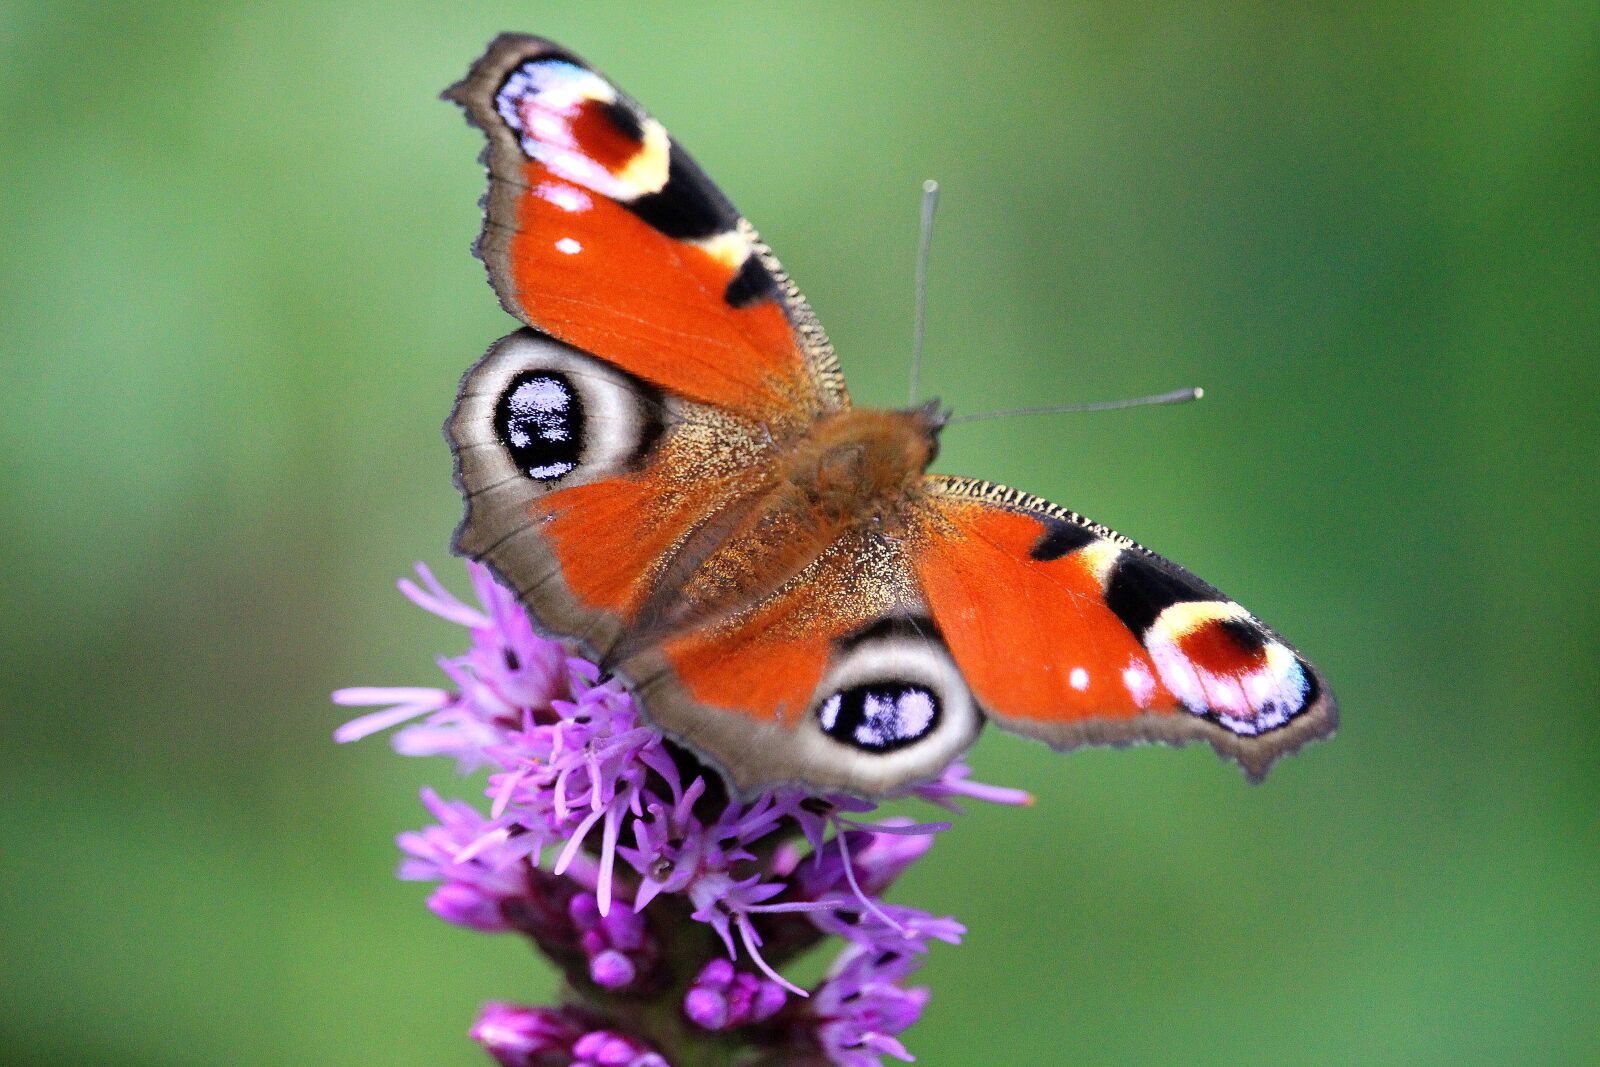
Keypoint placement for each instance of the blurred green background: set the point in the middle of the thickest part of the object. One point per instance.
(235, 297)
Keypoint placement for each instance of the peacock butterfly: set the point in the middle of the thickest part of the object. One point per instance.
(666, 467)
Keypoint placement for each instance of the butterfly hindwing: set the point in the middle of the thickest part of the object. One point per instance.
(1068, 632)
(580, 480)
(837, 681)
(602, 232)
(660, 536)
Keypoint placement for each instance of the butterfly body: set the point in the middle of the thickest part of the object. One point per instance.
(668, 469)
(859, 464)
(853, 469)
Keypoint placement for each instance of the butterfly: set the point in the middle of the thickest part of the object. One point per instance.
(665, 465)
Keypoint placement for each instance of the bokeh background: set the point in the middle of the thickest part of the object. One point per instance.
(235, 297)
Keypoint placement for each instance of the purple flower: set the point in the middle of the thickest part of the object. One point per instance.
(618, 945)
(954, 782)
(527, 1037)
(476, 889)
(723, 998)
(603, 1048)
(875, 861)
(860, 1008)
(542, 1037)
(618, 856)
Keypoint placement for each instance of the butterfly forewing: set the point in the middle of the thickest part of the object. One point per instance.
(602, 232)
(1072, 633)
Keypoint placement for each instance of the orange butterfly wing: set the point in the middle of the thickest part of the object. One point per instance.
(603, 233)
(835, 681)
(677, 346)
(581, 482)
(1068, 632)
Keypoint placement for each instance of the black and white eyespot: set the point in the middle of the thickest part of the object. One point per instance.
(540, 420)
(894, 698)
(880, 716)
(551, 416)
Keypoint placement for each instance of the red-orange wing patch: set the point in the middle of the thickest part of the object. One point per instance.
(601, 231)
(610, 537)
(1034, 638)
(833, 681)
(765, 665)
(1069, 632)
(582, 484)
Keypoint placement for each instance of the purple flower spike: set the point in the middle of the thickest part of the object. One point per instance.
(614, 852)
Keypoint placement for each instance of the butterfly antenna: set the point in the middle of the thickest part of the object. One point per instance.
(1177, 396)
(930, 203)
